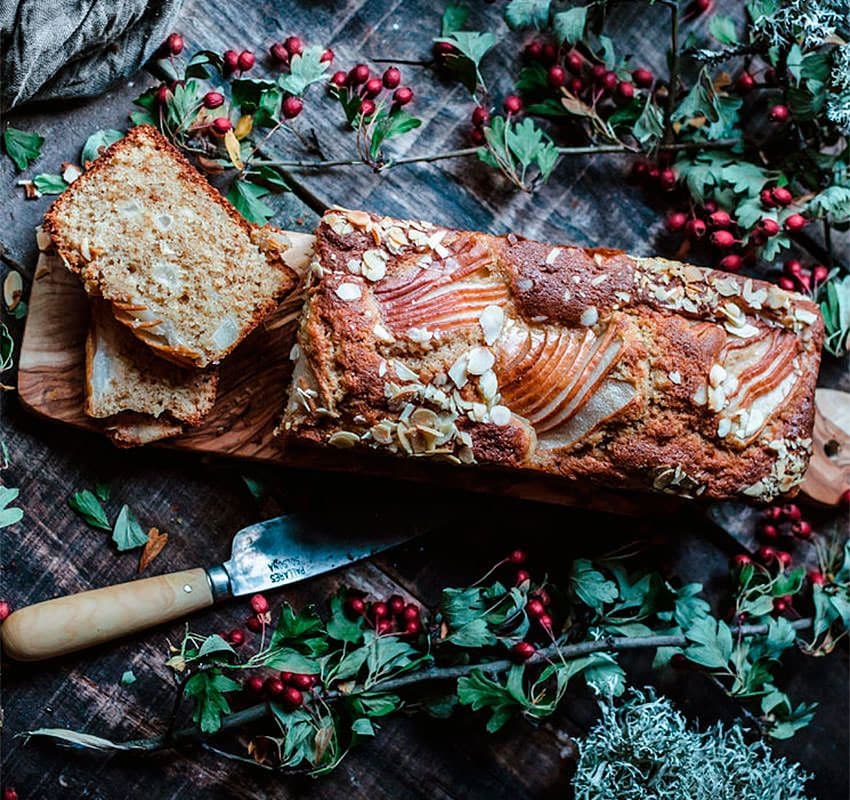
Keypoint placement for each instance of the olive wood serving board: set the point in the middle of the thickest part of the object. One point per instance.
(251, 396)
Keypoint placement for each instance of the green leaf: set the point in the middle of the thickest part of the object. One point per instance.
(591, 586)
(296, 629)
(184, 104)
(532, 78)
(836, 313)
(649, 126)
(453, 19)
(376, 705)
(127, 533)
(472, 46)
(128, 678)
(89, 508)
(270, 178)
(200, 64)
(304, 69)
(247, 200)
(290, 660)
(22, 147)
(722, 28)
(834, 200)
(711, 643)
(474, 633)
(351, 664)
(521, 14)
(101, 491)
(780, 636)
(97, 143)
(208, 690)
(387, 653)
(9, 515)
(569, 26)
(479, 691)
(339, 626)
(245, 93)
(50, 184)
(214, 644)
(363, 727)
(688, 607)
(389, 126)
(267, 114)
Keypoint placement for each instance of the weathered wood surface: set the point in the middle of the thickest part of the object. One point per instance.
(201, 501)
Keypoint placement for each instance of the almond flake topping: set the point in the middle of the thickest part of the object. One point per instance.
(567, 295)
(500, 415)
(480, 360)
(491, 320)
(675, 377)
(553, 254)
(404, 372)
(419, 335)
(488, 384)
(590, 316)
(343, 439)
(382, 334)
(348, 292)
(374, 265)
(458, 371)
(354, 265)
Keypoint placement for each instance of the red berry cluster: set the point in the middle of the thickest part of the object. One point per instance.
(480, 120)
(261, 617)
(172, 46)
(369, 87)
(797, 278)
(537, 608)
(392, 615)
(286, 688)
(237, 62)
(592, 82)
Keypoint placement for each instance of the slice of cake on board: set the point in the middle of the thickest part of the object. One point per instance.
(183, 270)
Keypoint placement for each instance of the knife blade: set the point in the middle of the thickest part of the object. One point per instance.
(263, 556)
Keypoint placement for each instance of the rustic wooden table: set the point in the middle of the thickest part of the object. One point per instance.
(201, 502)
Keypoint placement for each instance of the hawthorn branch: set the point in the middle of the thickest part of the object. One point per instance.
(557, 650)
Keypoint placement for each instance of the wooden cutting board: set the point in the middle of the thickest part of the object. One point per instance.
(252, 392)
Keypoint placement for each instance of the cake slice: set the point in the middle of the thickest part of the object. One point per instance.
(183, 270)
(144, 397)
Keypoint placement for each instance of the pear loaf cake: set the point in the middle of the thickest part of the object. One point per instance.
(183, 270)
(142, 397)
(583, 363)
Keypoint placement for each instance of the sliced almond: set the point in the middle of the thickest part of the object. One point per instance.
(13, 289)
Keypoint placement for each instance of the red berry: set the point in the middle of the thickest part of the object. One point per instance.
(780, 604)
(802, 529)
(793, 267)
(549, 53)
(783, 558)
(301, 681)
(765, 553)
(5, 609)
(733, 262)
(477, 136)
(709, 207)
(768, 226)
(545, 622)
(246, 60)
(795, 222)
(521, 577)
(355, 607)
(230, 59)
(770, 76)
(274, 687)
(254, 684)
(396, 604)
(720, 219)
(543, 596)
(279, 53)
(598, 72)
(443, 50)
(174, 44)
(642, 78)
(816, 577)
(533, 50)
(236, 637)
(534, 608)
(402, 96)
(779, 113)
(480, 116)
(522, 651)
(373, 87)
(639, 171)
(286, 676)
(367, 108)
(769, 532)
(766, 197)
(411, 612)
(609, 81)
(701, 6)
(695, 228)
(412, 627)
(741, 560)
(745, 83)
(391, 78)
(328, 56)
(625, 90)
(222, 125)
(517, 556)
(574, 62)
(358, 75)
(676, 220)
(213, 100)
(576, 85)
(557, 76)
(291, 106)
(254, 624)
(781, 196)
(162, 95)
(379, 610)
(384, 627)
(805, 283)
(722, 239)
(294, 46)
(258, 602)
(787, 284)
(339, 79)
(292, 698)
(791, 511)
(819, 273)
(512, 104)
(773, 513)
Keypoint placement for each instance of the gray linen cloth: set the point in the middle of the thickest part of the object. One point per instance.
(57, 49)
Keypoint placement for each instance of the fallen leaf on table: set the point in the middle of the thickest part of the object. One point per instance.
(156, 541)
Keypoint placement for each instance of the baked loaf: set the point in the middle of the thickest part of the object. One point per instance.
(584, 363)
(122, 375)
(184, 271)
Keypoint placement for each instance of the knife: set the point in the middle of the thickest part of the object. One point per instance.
(266, 555)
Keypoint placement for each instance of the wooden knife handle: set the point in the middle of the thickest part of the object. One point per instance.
(71, 623)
